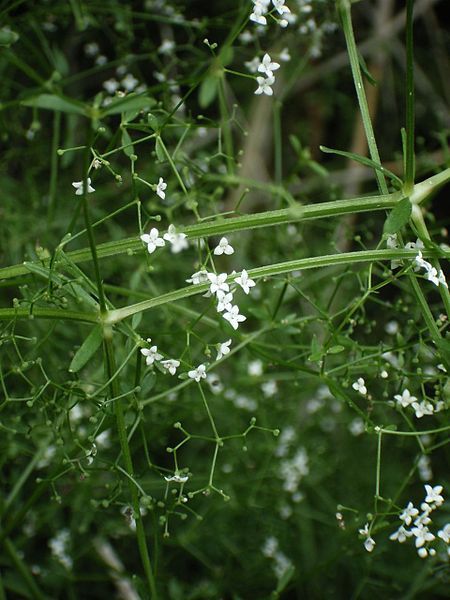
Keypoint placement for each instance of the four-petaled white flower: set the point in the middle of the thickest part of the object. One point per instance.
(252, 65)
(233, 317)
(198, 277)
(400, 535)
(409, 513)
(223, 247)
(178, 240)
(264, 85)
(177, 478)
(152, 240)
(434, 495)
(280, 7)
(78, 185)
(151, 354)
(223, 349)
(405, 399)
(360, 386)
(257, 15)
(129, 82)
(171, 365)
(245, 282)
(422, 535)
(218, 283)
(422, 408)
(198, 373)
(223, 300)
(267, 66)
(111, 85)
(160, 187)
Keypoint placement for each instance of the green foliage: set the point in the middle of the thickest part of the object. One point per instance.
(152, 445)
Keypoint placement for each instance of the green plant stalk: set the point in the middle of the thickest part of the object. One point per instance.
(48, 313)
(329, 260)
(23, 570)
(54, 166)
(409, 155)
(294, 214)
(345, 12)
(225, 125)
(121, 428)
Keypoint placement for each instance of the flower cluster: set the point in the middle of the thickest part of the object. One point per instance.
(431, 273)
(425, 407)
(415, 523)
(267, 66)
(262, 7)
(271, 550)
(152, 356)
(153, 240)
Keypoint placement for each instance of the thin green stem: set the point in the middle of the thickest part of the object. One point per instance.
(122, 432)
(22, 568)
(345, 11)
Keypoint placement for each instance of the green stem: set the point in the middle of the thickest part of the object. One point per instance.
(121, 428)
(314, 262)
(409, 158)
(225, 125)
(345, 11)
(54, 166)
(47, 313)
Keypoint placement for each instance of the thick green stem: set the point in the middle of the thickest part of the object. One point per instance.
(345, 11)
(409, 155)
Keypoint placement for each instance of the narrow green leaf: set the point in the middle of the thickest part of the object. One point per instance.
(316, 350)
(160, 154)
(87, 349)
(335, 349)
(398, 217)
(367, 162)
(365, 70)
(208, 90)
(53, 102)
(129, 102)
(127, 142)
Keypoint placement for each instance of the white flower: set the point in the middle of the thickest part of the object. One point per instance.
(421, 262)
(400, 535)
(434, 495)
(245, 282)
(111, 85)
(409, 513)
(91, 49)
(284, 55)
(280, 7)
(369, 543)
(223, 247)
(257, 15)
(444, 533)
(441, 279)
(152, 240)
(78, 185)
(198, 277)
(177, 478)
(166, 47)
(224, 301)
(422, 535)
(269, 388)
(417, 245)
(405, 399)
(422, 408)
(252, 65)
(198, 373)
(223, 349)
(160, 187)
(171, 365)
(264, 85)
(129, 82)
(218, 283)
(360, 386)
(151, 354)
(255, 368)
(178, 240)
(233, 317)
(267, 66)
